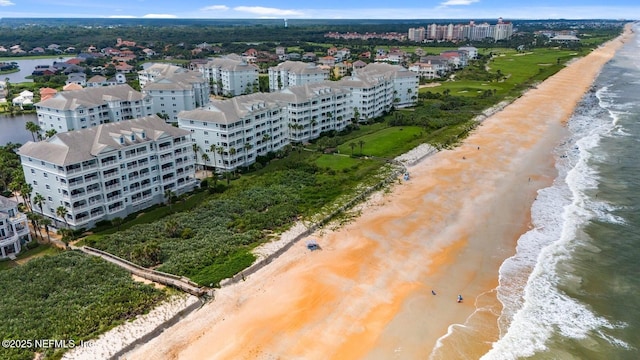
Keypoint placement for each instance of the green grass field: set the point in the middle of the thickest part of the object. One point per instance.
(389, 142)
(336, 162)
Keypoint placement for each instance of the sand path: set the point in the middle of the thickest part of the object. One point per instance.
(367, 294)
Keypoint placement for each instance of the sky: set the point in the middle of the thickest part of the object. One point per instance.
(323, 9)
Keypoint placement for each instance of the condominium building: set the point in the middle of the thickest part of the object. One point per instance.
(416, 34)
(295, 73)
(229, 76)
(14, 228)
(315, 108)
(174, 91)
(378, 87)
(233, 132)
(109, 171)
(89, 107)
(500, 31)
(156, 71)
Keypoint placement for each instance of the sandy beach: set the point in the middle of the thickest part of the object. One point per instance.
(368, 292)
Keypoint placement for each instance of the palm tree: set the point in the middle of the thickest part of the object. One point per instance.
(33, 128)
(46, 222)
(35, 218)
(196, 148)
(214, 175)
(38, 200)
(117, 221)
(232, 153)
(26, 191)
(169, 195)
(352, 146)
(220, 151)
(62, 212)
(361, 143)
(15, 186)
(49, 133)
(205, 159)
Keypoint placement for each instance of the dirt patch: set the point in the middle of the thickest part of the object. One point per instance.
(145, 281)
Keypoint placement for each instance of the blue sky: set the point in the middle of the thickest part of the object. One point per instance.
(325, 9)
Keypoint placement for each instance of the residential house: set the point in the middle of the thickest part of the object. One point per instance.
(46, 93)
(309, 56)
(327, 60)
(108, 171)
(14, 229)
(77, 78)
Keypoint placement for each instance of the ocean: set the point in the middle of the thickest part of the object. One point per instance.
(580, 295)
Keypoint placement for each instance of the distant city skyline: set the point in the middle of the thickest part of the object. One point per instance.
(329, 9)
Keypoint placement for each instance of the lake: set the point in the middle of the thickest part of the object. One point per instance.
(27, 66)
(12, 128)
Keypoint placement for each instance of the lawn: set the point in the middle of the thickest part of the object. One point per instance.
(336, 162)
(27, 255)
(518, 69)
(387, 143)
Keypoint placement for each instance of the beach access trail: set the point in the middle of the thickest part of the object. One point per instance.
(367, 293)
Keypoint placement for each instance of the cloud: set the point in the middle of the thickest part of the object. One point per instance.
(159, 16)
(6, 3)
(215, 8)
(458, 2)
(265, 11)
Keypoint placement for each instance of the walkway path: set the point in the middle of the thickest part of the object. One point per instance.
(178, 282)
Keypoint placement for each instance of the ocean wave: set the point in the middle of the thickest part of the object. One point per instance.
(534, 306)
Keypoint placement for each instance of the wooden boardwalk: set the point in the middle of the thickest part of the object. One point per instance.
(175, 281)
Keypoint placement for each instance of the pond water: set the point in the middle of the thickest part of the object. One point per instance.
(12, 128)
(27, 66)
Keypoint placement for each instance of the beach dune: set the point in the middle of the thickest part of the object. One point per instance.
(368, 292)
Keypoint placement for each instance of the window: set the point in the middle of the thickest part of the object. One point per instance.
(35, 182)
(49, 198)
(47, 187)
(32, 170)
(45, 175)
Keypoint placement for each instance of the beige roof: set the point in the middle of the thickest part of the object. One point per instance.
(232, 110)
(183, 80)
(75, 146)
(91, 97)
(230, 64)
(299, 67)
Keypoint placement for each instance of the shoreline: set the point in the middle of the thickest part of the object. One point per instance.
(355, 297)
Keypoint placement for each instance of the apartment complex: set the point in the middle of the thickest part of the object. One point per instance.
(456, 32)
(378, 87)
(156, 71)
(244, 127)
(89, 107)
(233, 132)
(295, 73)
(109, 171)
(14, 229)
(229, 76)
(173, 89)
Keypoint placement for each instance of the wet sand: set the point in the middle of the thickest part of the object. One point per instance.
(367, 293)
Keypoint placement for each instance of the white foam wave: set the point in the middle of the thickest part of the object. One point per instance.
(536, 309)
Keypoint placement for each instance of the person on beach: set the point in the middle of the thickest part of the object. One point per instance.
(433, 292)
(459, 298)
